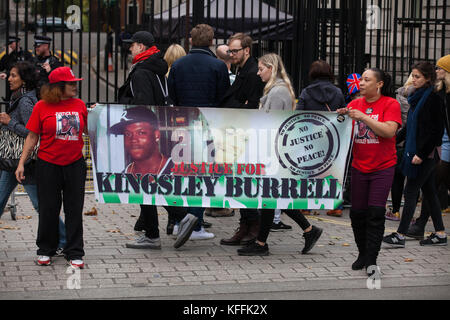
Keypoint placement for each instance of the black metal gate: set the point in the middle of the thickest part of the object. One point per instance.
(350, 34)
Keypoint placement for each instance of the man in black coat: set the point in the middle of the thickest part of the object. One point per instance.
(13, 55)
(144, 86)
(247, 89)
(199, 79)
(146, 79)
(245, 93)
(45, 61)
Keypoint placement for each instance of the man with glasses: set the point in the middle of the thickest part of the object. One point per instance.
(45, 61)
(245, 93)
(247, 88)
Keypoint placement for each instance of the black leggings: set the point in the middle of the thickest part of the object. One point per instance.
(267, 220)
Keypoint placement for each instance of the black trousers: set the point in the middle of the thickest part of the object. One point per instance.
(249, 215)
(148, 219)
(56, 186)
(425, 181)
(442, 185)
(397, 189)
(267, 216)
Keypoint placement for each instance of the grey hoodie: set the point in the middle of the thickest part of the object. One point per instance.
(21, 114)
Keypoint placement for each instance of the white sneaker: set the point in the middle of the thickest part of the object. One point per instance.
(44, 261)
(201, 235)
(175, 229)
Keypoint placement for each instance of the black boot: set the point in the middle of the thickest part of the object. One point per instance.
(374, 233)
(358, 218)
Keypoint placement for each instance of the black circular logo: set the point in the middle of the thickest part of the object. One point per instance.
(307, 144)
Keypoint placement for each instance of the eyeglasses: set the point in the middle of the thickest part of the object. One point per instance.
(234, 51)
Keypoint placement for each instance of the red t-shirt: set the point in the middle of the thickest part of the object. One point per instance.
(60, 127)
(370, 152)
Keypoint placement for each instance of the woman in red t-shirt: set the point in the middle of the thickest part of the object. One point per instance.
(60, 168)
(377, 119)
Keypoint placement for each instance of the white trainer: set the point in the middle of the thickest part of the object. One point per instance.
(201, 235)
(175, 230)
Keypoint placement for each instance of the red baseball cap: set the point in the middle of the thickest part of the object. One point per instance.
(62, 74)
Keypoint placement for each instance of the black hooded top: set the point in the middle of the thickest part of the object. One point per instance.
(142, 86)
(318, 95)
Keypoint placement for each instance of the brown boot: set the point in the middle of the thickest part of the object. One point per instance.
(222, 212)
(235, 240)
(253, 231)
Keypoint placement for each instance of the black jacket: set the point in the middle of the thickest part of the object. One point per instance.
(142, 86)
(43, 75)
(430, 127)
(319, 94)
(8, 61)
(248, 86)
(445, 108)
(198, 79)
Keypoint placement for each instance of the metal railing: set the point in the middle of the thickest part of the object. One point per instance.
(350, 34)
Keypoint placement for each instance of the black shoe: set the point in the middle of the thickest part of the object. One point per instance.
(416, 232)
(311, 238)
(434, 240)
(254, 249)
(206, 224)
(169, 228)
(394, 241)
(280, 226)
(360, 262)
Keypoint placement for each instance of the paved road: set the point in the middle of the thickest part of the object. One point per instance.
(206, 270)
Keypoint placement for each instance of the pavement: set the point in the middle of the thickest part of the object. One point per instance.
(206, 270)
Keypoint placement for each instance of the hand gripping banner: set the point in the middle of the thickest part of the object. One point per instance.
(222, 158)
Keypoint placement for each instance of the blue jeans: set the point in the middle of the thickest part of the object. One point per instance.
(8, 183)
(198, 212)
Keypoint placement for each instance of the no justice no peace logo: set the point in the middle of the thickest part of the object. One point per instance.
(307, 144)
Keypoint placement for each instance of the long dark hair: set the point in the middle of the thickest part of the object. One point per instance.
(381, 75)
(28, 74)
(428, 71)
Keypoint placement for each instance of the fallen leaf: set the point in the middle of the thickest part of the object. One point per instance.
(133, 216)
(114, 231)
(24, 218)
(9, 228)
(93, 212)
(113, 212)
(409, 260)
(337, 238)
(346, 244)
(331, 243)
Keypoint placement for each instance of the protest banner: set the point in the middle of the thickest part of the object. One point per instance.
(222, 158)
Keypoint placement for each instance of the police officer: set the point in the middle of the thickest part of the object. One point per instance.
(45, 61)
(13, 55)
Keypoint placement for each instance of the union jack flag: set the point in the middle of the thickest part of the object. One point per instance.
(353, 83)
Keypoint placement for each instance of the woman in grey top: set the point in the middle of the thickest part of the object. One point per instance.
(278, 95)
(22, 82)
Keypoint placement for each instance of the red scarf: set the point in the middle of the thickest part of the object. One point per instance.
(145, 55)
